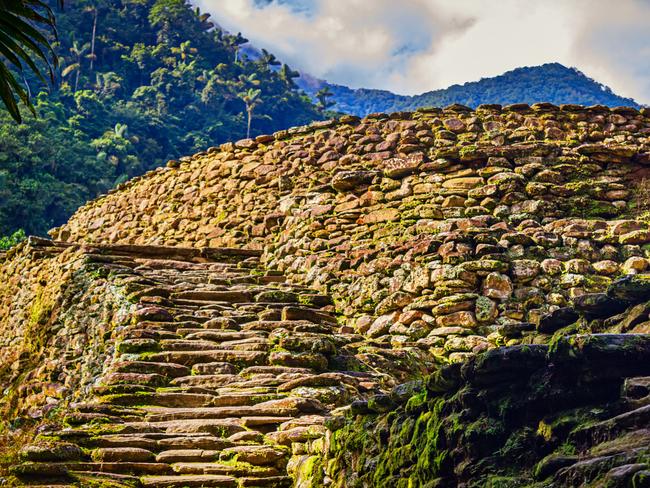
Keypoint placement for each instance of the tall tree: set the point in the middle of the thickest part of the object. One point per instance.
(159, 69)
(235, 42)
(251, 99)
(79, 52)
(324, 96)
(21, 45)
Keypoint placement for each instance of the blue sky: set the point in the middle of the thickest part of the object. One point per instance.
(412, 46)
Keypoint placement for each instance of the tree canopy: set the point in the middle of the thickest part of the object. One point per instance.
(138, 82)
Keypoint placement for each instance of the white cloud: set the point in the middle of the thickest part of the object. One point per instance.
(411, 46)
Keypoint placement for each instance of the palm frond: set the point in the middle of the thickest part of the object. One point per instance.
(21, 45)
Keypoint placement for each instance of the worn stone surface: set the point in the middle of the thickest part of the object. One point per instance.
(180, 311)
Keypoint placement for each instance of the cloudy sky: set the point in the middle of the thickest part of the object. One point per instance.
(412, 46)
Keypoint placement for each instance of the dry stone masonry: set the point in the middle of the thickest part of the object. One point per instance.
(215, 373)
(407, 300)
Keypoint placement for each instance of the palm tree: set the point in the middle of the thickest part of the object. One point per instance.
(235, 41)
(92, 56)
(79, 53)
(268, 59)
(121, 130)
(21, 43)
(251, 98)
(287, 74)
(323, 96)
(185, 50)
(203, 19)
(107, 83)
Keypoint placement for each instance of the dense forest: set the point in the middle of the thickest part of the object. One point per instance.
(551, 82)
(139, 82)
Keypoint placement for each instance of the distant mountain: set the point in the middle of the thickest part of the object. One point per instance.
(551, 82)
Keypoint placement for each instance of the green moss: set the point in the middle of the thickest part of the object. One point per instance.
(416, 401)
(311, 470)
(101, 482)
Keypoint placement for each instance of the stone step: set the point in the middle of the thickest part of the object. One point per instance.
(271, 325)
(273, 370)
(206, 380)
(170, 327)
(150, 332)
(223, 427)
(284, 407)
(254, 382)
(159, 398)
(257, 455)
(215, 413)
(165, 368)
(303, 313)
(116, 441)
(245, 388)
(200, 405)
(237, 469)
(153, 380)
(189, 481)
(269, 482)
(214, 368)
(159, 440)
(123, 454)
(61, 469)
(189, 316)
(49, 485)
(210, 443)
(188, 456)
(606, 429)
(229, 296)
(188, 345)
(260, 345)
(193, 305)
(190, 358)
(101, 390)
(92, 478)
(221, 335)
(80, 418)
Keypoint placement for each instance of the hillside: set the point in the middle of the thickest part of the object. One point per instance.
(449, 297)
(552, 83)
(140, 82)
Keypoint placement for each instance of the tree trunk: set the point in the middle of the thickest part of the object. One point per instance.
(92, 42)
(76, 81)
(250, 120)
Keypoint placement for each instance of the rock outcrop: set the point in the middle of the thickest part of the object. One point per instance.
(439, 298)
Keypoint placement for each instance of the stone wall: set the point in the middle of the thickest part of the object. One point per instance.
(520, 416)
(58, 316)
(440, 235)
(448, 231)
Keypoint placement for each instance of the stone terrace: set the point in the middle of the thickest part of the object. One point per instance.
(219, 371)
(205, 320)
(447, 231)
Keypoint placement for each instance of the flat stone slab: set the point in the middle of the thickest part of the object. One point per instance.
(189, 481)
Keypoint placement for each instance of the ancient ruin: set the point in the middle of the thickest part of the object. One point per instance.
(449, 297)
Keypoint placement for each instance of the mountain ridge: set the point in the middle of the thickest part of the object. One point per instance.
(550, 82)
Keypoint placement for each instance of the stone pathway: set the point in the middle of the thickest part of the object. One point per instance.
(223, 370)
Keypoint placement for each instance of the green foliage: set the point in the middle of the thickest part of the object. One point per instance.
(324, 98)
(140, 82)
(21, 44)
(7, 242)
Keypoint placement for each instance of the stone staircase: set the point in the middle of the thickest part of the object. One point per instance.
(222, 374)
